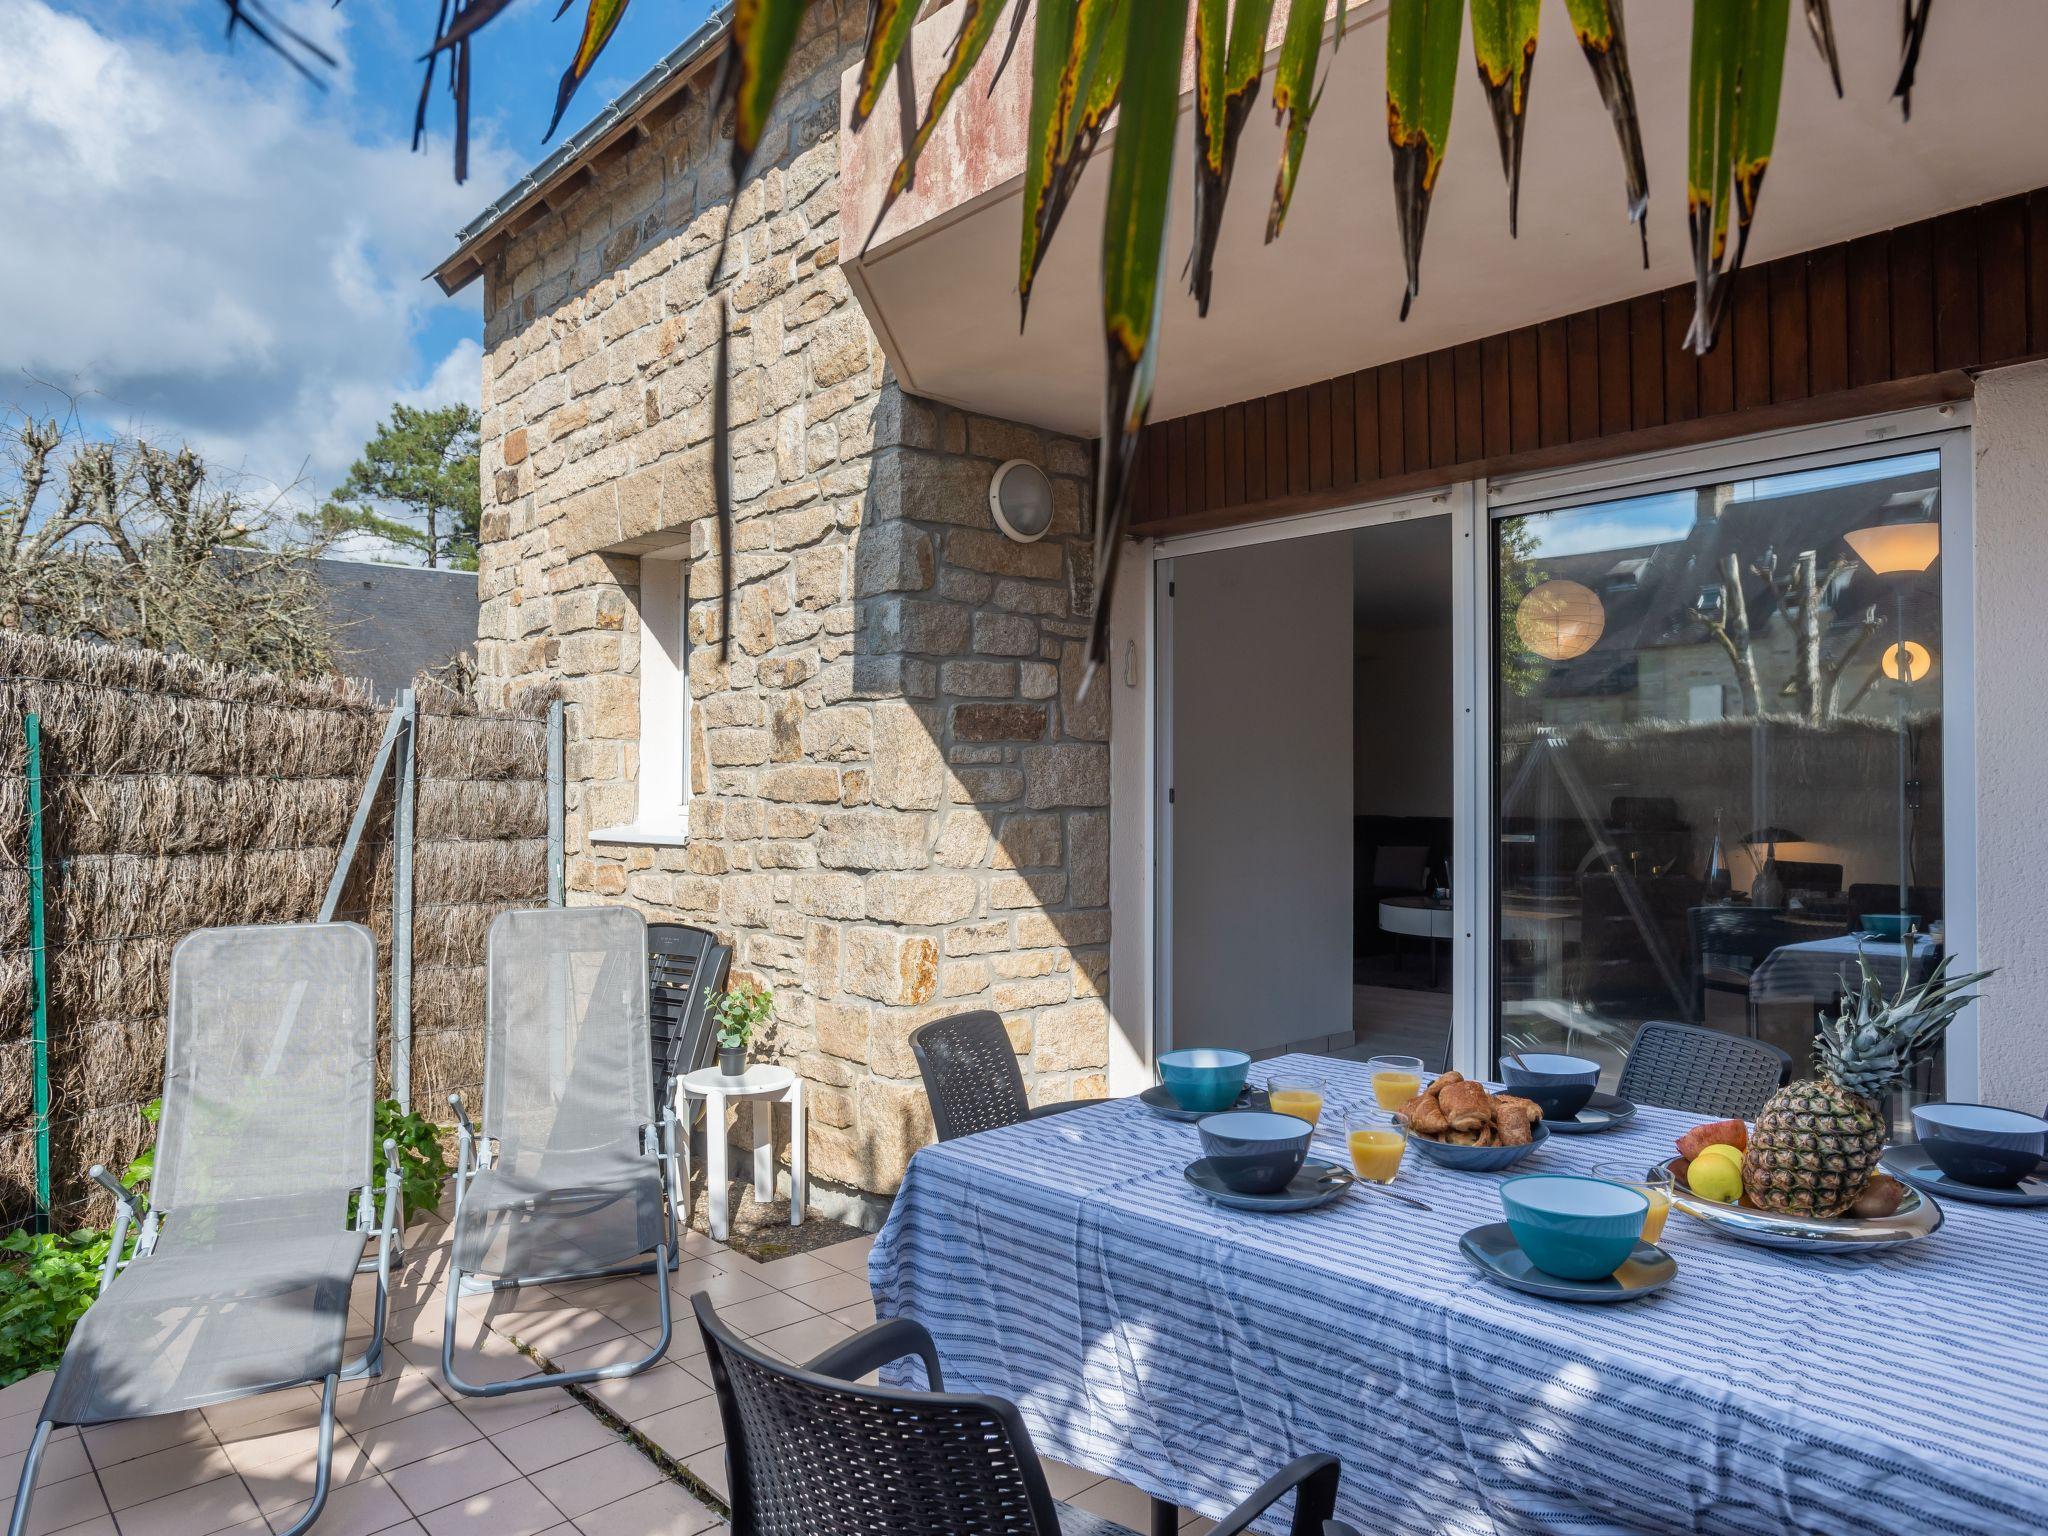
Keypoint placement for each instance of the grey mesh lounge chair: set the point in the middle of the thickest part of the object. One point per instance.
(583, 1182)
(810, 1451)
(241, 1276)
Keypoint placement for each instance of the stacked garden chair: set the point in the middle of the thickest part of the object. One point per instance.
(573, 1176)
(260, 1206)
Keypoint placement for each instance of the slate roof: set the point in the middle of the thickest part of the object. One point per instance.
(393, 621)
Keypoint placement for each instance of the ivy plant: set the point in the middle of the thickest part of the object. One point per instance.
(422, 1161)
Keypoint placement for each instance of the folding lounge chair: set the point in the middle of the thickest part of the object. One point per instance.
(261, 1204)
(583, 1182)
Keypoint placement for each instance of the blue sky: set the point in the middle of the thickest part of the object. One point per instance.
(202, 247)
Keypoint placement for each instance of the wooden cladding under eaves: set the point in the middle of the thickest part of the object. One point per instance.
(1879, 323)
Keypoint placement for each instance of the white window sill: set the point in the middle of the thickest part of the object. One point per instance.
(672, 836)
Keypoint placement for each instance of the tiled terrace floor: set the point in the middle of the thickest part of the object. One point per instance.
(414, 1458)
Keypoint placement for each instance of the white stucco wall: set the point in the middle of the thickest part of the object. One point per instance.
(2011, 557)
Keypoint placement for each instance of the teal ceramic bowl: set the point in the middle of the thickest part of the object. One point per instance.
(1204, 1079)
(1571, 1227)
(1888, 925)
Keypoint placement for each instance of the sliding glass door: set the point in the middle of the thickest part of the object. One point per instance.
(1717, 739)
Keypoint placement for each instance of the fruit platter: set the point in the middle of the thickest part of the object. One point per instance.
(1805, 1176)
(1715, 1181)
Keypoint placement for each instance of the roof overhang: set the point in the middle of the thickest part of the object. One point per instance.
(632, 116)
(939, 280)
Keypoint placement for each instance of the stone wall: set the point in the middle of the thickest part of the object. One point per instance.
(898, 796)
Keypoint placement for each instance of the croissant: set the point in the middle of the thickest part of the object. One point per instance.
(1514, 1127)
(1508, 1104)
(1467, 1105)
(1425, 1116)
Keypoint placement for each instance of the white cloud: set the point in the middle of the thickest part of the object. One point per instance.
(215, 252)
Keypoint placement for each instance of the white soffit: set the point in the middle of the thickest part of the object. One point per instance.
(1323, 299)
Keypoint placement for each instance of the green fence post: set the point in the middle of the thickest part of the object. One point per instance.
(39, 967)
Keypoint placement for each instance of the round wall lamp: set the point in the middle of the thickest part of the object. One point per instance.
(1560, 619)
(1020, 497)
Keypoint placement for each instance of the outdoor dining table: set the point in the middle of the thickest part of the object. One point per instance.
(1149, 1335)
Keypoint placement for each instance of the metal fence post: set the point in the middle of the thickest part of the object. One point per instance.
(401, 904)
(39, 966)
(557, 730)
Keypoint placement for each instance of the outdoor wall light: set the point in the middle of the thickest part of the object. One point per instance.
(1907, 662)
(1020, 497)
(1560, 619)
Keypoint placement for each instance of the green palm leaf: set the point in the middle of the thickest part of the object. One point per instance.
(600, 20)
(763, 32)
(1133, 268)
(977, 26)
(1422, 77)
(1077, 72)
(1738, 72)
(890, 23)
(1227, 70)
(1504, 44)
(1295, 94)
(1604, 40)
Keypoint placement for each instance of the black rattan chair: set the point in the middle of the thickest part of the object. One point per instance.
(971, 1076)
(1702, 1071)
(809, 1451)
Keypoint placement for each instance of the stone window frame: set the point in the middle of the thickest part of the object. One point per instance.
(663, 771)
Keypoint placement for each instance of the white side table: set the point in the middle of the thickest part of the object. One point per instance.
(759, 1081)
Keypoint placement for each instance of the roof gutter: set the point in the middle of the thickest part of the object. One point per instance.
(550, 176)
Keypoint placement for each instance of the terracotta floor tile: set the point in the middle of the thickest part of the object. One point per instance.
(684, 1430)
(451, 1476)
(1066, 1481)
(56, 1506)
(289, 1480)
(61, 1459)
(765, 1313)
(557, 1438)
(265, 1414)
(662, 1510)
(361, 1509)
(398, 1396)
(417, 1436)
(109, 1444)
(511, 1509)
(493, 1415)
(626, 1349)
(860, 1315)
(803, 1341)
(199, 1511)
(837, 1289)
(798, 1269)
(723, 1287)
(1116, 1501)
(142, 1478)
(596, 1478)
(635, 1397)
(708, 1467)
(850, 1256)
(25, 1395)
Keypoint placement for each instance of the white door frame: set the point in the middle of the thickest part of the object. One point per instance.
(1943, 427)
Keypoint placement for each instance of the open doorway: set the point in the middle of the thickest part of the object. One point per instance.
(1306, 804)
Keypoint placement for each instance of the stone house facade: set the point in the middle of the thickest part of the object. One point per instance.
(896, 788)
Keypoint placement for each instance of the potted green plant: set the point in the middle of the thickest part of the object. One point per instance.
(738, 1014)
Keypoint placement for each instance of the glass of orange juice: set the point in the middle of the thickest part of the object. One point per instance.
(1395, 1079)
(1378, 1141)
(1653, 1182)
(1296, 1093)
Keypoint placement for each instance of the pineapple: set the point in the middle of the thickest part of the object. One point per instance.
(1817, 1141)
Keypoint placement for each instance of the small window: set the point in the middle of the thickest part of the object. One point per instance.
(664, 772)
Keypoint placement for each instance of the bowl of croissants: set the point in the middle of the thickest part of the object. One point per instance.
(1458, 1123)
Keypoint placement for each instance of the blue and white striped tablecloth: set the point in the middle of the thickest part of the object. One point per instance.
(1149, 1335)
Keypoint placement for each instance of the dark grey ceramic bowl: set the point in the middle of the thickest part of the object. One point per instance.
(1981, 1143)
(1254, 1151)
(1560, 1086)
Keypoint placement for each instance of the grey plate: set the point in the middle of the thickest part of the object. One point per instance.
(1917, 1217)
(1317, 1184)
(1160, 1102)
(1500, 1258)
(1603, 1112)
(1917, 1169)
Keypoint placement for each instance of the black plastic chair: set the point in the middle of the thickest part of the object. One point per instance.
(809, 1451)
(1702, 1071)
(686, 968)
(971, 1076)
